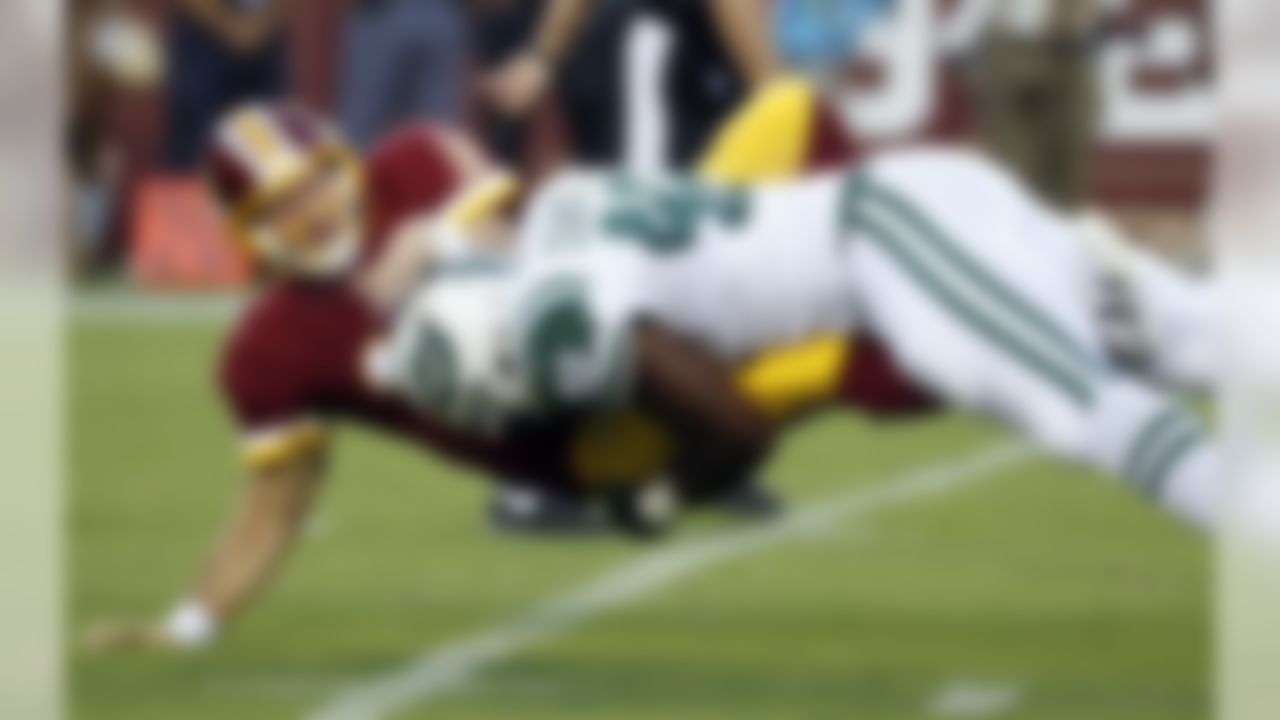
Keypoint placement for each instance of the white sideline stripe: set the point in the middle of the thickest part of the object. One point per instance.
(966, 699)
(133, 308)
(440, 670)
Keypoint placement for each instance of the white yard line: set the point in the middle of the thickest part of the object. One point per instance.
(968, 699)
(440, 670)
(111, 307)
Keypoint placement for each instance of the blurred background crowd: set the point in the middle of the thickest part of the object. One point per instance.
(1089, 99)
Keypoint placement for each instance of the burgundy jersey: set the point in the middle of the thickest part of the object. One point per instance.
(297, 358)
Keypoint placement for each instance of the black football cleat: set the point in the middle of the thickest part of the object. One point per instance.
(522, 511)
(750, 502)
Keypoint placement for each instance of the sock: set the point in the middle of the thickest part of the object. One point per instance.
(1191, 489)
(1158, 448)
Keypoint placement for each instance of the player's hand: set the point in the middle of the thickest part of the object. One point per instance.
(120, 636)
(519, 84)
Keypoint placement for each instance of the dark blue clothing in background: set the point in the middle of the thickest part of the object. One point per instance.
(206, 79)
(402, 60)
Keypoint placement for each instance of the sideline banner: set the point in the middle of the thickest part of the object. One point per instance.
(177, 241)
(1156, 97)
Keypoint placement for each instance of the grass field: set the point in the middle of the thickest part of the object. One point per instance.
(1026, 591)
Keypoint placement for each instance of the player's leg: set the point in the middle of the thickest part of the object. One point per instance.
(1150, 440)
(992, 317)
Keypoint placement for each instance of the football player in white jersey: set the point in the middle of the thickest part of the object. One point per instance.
(627, 289)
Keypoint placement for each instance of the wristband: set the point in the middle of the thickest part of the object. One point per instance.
(190, 625)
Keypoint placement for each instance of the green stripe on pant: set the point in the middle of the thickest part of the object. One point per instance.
(947, 248)
(1034, 346)
(1158, 447)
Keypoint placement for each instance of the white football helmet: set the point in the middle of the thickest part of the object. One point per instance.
(451, 353)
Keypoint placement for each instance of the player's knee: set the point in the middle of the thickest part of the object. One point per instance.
(1065, 431)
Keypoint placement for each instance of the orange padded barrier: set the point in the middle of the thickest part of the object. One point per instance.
(177, 241)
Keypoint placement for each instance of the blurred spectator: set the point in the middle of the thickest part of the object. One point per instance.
(641, 81)
(1031, 64)
(114, 56)
(222, 52)
(593, 87)
(500, 29)
(401, 59)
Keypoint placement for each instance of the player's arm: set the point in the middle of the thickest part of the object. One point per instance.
(268, 390)
(419, 247)
(257, 539)
(743, 27)
(695, 392)
(522, 81)
(470, 222)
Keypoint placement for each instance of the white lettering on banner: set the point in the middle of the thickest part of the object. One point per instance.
(906, 47)
(902, 45)
(1172, 45)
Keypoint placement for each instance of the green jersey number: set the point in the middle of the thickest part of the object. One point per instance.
(573, 362)
(664, 219)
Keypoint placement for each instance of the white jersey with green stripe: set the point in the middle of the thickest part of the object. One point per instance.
(739, 269)
(981, 294)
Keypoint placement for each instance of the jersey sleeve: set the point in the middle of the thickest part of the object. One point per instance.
(404, 174)
(574, 335)
(268, 398)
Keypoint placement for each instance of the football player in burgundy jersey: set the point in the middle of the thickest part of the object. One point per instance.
(298, 355)
(334, 238)
(317, 220)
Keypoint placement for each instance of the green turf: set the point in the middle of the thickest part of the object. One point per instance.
(1040, 579)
